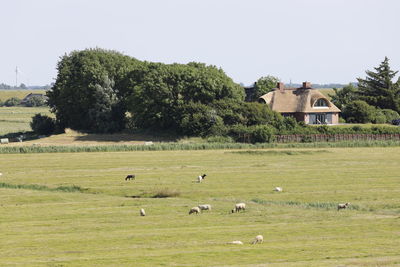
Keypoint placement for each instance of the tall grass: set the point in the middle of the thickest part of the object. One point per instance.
(37, 187)
(194, 146)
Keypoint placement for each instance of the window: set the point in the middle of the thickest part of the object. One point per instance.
(321, 103)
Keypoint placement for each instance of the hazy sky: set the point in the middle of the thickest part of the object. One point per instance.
(320, 41)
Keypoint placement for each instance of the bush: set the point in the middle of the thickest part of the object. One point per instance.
(36, 101)
(379, 117)
(359, 112)
(390, 115)
(220, 139)
(262, 134)
(43, 125)
(13, 101)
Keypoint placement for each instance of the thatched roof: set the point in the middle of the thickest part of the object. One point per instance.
(297, 100)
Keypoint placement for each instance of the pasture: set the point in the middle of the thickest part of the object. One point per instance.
(17, 119)
(76, 209)
(6, 94)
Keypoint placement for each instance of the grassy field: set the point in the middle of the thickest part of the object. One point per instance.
(6, 94)
(98, 223)
(17, 119)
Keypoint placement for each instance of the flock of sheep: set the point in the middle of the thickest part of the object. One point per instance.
(238, 207)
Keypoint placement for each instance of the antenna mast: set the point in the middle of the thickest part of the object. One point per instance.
(16, 76)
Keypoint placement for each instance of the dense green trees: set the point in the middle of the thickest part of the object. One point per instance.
(88, 94)
(378, 89)
(265, 85)
(376, 99)
(95, 89)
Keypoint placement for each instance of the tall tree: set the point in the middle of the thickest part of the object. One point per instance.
(88, 93)
(265, 85)
(378, 89)
(344, 96)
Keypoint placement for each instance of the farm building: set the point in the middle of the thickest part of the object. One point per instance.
(304, 104)
(29, 96)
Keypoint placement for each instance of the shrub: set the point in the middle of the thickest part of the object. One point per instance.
(35, 101)
(13, 101)
(359, 112)
(379, 117)
(390, 115)
(262, 134)
(42, 124)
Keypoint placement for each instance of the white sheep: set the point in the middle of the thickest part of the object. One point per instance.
(201, 178)
(278, 189)
(1, 174)
(239, 207)
(342, 206)
(205, 207)
(194, 210)
(142, 212)
(258, 239)
(236, 242)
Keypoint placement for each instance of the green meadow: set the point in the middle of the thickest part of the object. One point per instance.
(17, 119)
(76, 209)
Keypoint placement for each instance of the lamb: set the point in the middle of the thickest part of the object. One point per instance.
(258, 239)
(130, 176)
(201, 178)
(236, 242)
(205, 207)
(142, 212)
(194, 210)
(239, 207)
(278, 189)
(342, 206)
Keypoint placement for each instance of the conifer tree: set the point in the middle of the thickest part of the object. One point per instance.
(378, 89)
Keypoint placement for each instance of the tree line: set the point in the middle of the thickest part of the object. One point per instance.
(376, 98)
(103, 91)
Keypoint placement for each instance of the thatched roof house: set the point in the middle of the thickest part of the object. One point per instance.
(304, 103)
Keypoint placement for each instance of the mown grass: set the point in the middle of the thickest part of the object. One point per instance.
(301, 226)
(6, 94)
(17, 119)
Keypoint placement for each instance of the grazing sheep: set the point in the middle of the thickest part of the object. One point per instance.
(258, 239)
(239, 207)
(194, 210)
(278, 189)
(236, 242)
(130, 176)
(201, 178)
(142, 212)
(1, 174)
(342, 206)
(205, 207)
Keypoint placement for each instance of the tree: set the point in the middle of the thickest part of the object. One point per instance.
(265, 85)
(89, 92)
(378, 89)
(161, 92)
(344, 96)
(42, 124)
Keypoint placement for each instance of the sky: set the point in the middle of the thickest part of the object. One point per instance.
(321, 41)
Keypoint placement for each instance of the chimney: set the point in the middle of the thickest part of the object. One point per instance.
(306, 85)
(281, 87)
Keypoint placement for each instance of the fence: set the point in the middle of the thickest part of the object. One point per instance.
(333, 137)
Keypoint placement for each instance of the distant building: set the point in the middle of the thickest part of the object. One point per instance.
(26, 98)
(304, 104)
